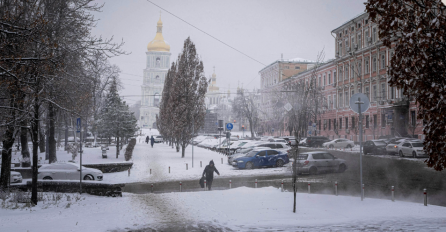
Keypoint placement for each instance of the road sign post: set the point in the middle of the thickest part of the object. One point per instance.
(355, 105)
(229, 127)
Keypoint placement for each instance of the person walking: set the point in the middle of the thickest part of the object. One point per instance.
(147, 139)
(209, 171)
(152, 141)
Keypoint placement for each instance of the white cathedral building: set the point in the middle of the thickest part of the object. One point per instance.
(157, 65)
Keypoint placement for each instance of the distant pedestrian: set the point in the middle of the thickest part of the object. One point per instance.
(209, 171)
(147, 139)
(152, 141)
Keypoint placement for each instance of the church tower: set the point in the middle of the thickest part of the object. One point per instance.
(157, 65)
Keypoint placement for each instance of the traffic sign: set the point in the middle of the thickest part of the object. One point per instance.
(365, 103)
(288, 107)
(229, 126)
(78, 125)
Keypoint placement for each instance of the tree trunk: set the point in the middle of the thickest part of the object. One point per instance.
(35, 137)
(117, 147)
(66, 134)
(24, 142)
(183, 150)
(8, 142)
(41, 139)
(51, 140)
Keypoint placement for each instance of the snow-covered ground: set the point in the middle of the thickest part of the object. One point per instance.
(240, 209)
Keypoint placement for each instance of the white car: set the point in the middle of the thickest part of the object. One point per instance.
(158, 139)
(339, 143)
(412, 148)
(16, 177)
(67, 171)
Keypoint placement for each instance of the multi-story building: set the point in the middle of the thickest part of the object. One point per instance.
(361, 66)
(157, 65)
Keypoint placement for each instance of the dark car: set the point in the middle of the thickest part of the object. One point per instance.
(376, 147)
(316, 141)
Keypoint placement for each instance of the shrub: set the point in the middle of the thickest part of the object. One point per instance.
(129, 149)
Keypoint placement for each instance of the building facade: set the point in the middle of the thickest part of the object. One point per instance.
(157, 65)
(361, 66)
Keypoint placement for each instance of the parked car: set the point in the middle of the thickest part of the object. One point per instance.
(276, 146)
(392, 145)
(339, 143)
(318, 162)
(264, 158)
(412, 148)
(243, 152)
(316, 141)
(67, 171)
(376, 147)
(16, 177)
(276, 140)
(303, 142)
(158, 139)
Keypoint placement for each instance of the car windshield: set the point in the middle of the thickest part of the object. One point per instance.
(251, 154)
(380, 143)
(417, 144)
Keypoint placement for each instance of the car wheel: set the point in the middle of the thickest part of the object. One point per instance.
(313, 171)
(414, 154)
(349, 146)
(279, 163)
(401, 154)
(342, 168)
(331, 146)
(248, 165)
(88, 177)
(47, 178)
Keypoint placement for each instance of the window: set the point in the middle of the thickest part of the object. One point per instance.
(329, 102)
(318, 156)
(367, 37)
(383, 120)
(346, 123)
(328, 156)
(341, 100)
(392, 92)
(320, 81)
(413, 118)
(157, 77)
(329, 124)
(359, 41)
(374, 35)
(340, 74)
(375, 121)
(352, 71)
(375, 93)
(352, 93)
(383, 61)
(340, 49)
(367, 92)
(367, 119)
(366, 21)
(334, 102)
(156, 99)
(334, 77)
(353, 42)
(324, 80)
(359, 68)
(329, 78)
(297, 67)
(262, 153)
(340, 123)
(346, 72)
(374, 64)
(367, 67)
(334, 124)
(273, 152)
(287, 67)
(347, 100)
(158, 62)
(319, 122)
(383, 91)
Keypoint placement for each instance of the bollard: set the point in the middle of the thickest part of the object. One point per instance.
(256, 183)
(180, 187)
(169, 169)
(221, 160)
(186, 167)
(151, 189)
(309, 188)
(336, 188)
(425, 197)
(282, 186)
(150, 171)
(200, 164)
(204, 185)
(230, 183)
(393, 193)
(129, 171)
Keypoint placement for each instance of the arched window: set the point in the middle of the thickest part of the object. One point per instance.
(156, 99)
(157, 77)
(158, 62)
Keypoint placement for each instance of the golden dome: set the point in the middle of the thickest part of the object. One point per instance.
(158, 44)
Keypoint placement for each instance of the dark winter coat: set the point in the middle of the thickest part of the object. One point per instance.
(209, 171)
(152, 140)
(147, 139)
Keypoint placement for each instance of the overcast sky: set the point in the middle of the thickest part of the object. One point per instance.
(262, 30)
